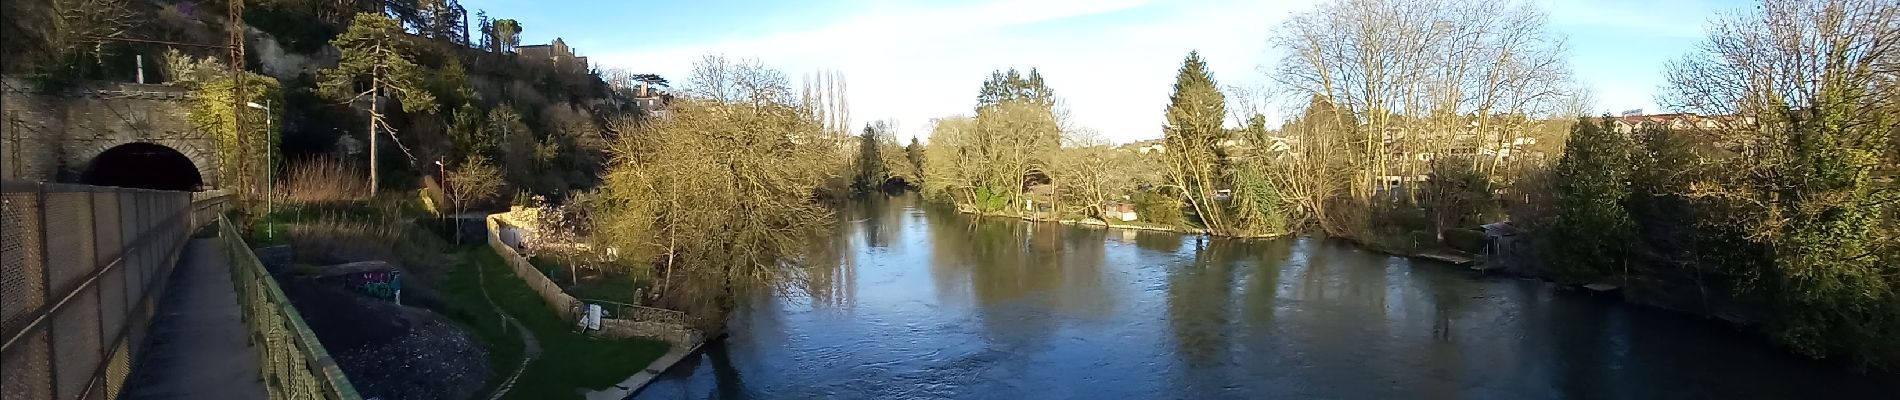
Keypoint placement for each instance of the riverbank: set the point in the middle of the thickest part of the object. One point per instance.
(641, 379)
(1098, 223)
(1444, 255)
(1686, 299)
(570, 363)
(947, 305)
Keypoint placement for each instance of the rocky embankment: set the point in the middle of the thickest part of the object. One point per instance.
(390, 351)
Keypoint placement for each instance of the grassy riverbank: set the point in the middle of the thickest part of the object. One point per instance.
(569, 362)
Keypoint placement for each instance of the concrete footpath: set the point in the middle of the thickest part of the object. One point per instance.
(640, 379)
(198, 344)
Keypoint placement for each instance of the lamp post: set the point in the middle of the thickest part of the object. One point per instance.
(268, 189)
(443, 178)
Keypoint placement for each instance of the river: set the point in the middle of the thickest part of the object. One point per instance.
(916, 301)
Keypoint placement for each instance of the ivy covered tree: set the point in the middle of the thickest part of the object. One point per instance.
(1193, 136)
(378, 59)
(870, 173)
(1259, 206)
(1811, 195)
(1593, 230)
(914, 153)
(246, 155)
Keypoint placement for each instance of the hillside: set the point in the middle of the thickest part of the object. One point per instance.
(484, 91)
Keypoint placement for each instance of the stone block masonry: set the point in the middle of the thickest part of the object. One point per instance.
(55, 137)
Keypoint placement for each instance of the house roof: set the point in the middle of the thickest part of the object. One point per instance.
(1501, 229)
(1691, 119)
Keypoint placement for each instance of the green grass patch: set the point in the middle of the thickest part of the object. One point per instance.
(462, 302)
(614, 288)
(570, 362)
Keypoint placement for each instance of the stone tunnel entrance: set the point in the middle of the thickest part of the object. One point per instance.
(143, 165)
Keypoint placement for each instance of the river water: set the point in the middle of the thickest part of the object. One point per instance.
(917, 301)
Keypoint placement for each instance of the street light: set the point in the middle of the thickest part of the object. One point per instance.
(443, 178)
(268, 189)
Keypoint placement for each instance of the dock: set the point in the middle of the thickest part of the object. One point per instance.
(1445, 256)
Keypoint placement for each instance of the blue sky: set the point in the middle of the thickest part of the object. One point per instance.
(1111, 61)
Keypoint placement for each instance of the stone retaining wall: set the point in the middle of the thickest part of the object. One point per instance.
(647, 322)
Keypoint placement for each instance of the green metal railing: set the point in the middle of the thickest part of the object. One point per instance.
(294, 364)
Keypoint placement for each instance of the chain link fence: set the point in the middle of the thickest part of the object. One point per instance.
(79, 270)
(294, 363)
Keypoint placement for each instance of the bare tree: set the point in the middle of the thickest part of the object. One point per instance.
(474, 179)
(1095, 174)
(1423, 76)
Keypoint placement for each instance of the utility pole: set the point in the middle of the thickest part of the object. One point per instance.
(234, 22)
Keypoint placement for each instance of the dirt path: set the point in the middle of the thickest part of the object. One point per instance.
(530, 347)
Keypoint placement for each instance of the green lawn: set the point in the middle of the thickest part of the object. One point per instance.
(570, 362)
(617, 288)
(462, 302)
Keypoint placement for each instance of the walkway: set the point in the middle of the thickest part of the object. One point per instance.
(198, 348)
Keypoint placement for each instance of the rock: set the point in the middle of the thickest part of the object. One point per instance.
(390, 351)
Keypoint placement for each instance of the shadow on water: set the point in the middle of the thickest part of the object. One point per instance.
(911, 300)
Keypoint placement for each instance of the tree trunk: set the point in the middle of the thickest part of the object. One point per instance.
(375, 114)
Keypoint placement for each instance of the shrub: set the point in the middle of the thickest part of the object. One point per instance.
(1465, 239)
(1157, 208)
(322, 180)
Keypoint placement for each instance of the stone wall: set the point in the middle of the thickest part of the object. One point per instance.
(665, 325)
(54, 137)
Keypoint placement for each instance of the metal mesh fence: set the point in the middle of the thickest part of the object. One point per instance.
(295, 365)
(21, 285)
(81, 264)
(26, 369)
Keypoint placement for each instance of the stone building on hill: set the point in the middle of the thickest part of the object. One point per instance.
(556, 53)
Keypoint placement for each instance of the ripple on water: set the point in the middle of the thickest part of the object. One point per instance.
(1153, 317)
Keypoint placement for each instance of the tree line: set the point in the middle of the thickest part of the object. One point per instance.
(1425, 119)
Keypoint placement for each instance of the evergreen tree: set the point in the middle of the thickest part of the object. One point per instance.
(1593, 230)
(486, 28)
(376, 50)
(1259, 207)
(870, 165)
(506, 34)
(1010, 85)
(1037, 90)
(1193, 138)
(915, 154)
(470, 135)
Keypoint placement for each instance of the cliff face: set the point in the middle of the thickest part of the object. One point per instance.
(283, 63)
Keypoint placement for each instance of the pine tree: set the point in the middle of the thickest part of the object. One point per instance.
(870, 164)
(486, 28)
(1193, 137)
(375, 49)
(506, 34)
(915, 154)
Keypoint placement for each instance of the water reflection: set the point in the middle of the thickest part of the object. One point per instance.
(912, 301)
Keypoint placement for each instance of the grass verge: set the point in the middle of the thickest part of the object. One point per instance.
(462, 302)
(570, 362)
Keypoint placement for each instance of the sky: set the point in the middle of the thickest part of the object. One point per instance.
(1112, 62)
